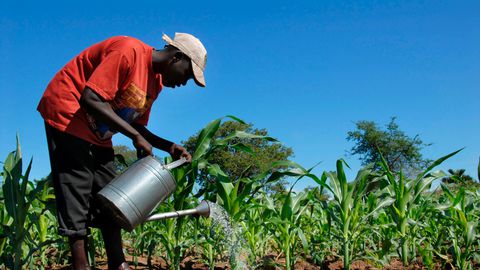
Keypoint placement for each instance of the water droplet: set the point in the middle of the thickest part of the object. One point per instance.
(233, 235)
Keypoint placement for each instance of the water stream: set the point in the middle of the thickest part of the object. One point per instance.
(233, 235)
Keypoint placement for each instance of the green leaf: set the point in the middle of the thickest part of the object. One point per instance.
(274, 166)
(447, 192)
(224, 185)
(121, 159)
(302, 237)
(243, 135)
(470, 233)
(399, 214)
(462, 218)
(205, 137)
(384, 203)
(437, 162)
(287, 207)
(422, 184)
(360, 184)
(10, 187)
(460, 197)
(9, 161)
(18, 151)
(342, 179)
(236, 119)
(25, 179)
(335, 187)
(269, 204)
(243, 148)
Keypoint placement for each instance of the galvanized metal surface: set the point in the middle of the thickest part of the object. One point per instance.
(203, 209)
(133, 195)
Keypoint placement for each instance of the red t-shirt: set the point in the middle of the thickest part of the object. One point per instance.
(118, 69)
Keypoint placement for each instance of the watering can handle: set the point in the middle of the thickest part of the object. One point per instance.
(175, 164)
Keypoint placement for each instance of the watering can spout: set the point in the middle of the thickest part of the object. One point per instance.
(203, 209)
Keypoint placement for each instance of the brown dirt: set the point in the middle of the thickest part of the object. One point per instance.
(335, 264)
(270, 262)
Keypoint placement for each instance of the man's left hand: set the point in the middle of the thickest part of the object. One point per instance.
(177, 152)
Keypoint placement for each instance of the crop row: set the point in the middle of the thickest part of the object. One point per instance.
(378, 216)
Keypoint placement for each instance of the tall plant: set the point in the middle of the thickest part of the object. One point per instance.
(406, 194)
(348, 210)
(284, 224)
(462, 215)
(18, 196)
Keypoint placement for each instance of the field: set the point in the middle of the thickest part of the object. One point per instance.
(382, 219)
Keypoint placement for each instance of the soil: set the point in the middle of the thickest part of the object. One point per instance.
(269, 263)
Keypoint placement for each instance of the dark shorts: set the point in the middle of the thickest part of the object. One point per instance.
(79, 170)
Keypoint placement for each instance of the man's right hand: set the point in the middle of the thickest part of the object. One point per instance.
(144, 148)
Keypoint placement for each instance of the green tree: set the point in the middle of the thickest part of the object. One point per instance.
(400, 151)
(124, 157)
(458, 179)
(239, 164)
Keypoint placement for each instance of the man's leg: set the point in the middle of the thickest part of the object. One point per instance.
(72, 177)
(111, 233)
(113, 245)
(78, 246)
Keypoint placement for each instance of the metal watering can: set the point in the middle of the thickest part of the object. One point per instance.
(132, 196)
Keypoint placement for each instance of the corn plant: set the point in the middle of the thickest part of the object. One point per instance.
(19, 195)
(14, 191)
(348, 211)
(146, 238)
(4, 221)
(41, 216)
(435, 234)
(383, 242)
(463, 227)
(231, 197)
(427, 254)
(256, 234)
(316, 225)
(420, 238)
(284, 224)
(406, 194)
(207, 242)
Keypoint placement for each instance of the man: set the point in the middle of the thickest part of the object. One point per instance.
(108, 88)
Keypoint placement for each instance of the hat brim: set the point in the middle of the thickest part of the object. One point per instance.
(198, 75)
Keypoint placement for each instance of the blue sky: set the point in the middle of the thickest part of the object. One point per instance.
(305, 71)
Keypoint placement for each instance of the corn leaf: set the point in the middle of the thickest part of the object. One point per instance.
(236, 119)
(436, 163)
(286, 213)
(205, 137)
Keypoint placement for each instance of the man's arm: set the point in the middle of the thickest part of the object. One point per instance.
(103, 112)
(175, 150)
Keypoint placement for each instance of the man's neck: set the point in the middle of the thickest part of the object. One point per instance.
(159, 60)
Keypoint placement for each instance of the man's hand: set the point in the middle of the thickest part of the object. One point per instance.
(177, 152)
(144, 148)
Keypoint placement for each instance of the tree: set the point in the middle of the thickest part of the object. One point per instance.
(240, 164)
(459, 179)
(401, 152)
(124, 157)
